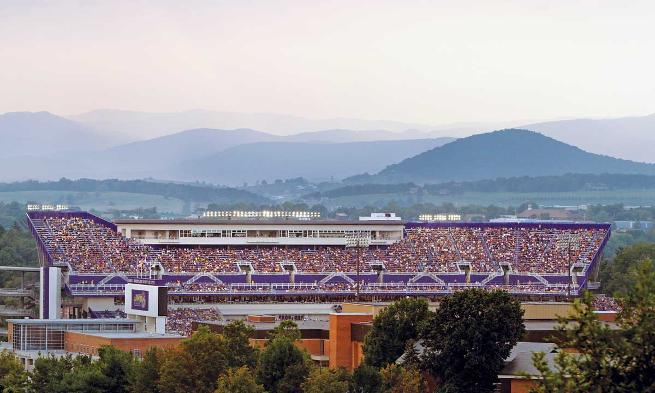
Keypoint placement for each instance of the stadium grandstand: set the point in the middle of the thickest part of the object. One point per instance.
(214, 260)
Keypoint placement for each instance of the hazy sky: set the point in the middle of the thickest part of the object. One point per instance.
(430, 62)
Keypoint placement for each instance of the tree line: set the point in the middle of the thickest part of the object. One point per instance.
(187, 192)
(523, 184)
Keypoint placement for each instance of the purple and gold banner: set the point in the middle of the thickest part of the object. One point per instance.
(140, 299)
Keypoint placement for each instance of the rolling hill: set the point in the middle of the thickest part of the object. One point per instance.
(42, 134)
(151, 125)
(179, 147)
(311, 160)
(630, 138)
(505, 153)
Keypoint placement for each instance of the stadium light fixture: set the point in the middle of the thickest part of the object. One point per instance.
(262, 214)
(440, 217)
(46, 207)
(359, 241)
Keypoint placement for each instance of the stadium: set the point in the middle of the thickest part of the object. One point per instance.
(233, 259)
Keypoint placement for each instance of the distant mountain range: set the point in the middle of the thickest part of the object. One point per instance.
(45, 146)
(506, 153)
(148, 125)
(220, 156)
(42, 134)
(631, 138)
(312, 160)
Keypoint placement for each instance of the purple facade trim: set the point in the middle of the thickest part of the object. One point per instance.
(500, 280)
(538, 225)
(425, 280)
(557, 279)
(478, 277)
(271, 278)
(232, 278)
(392, 277)
(46, 293)
(337, 280)
(368, 278)
(309, 278)
(79, 279)
(116, 280)
(452, 278)
(203, 280)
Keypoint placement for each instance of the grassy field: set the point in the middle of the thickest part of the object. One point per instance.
(627, 197)
(102, 201)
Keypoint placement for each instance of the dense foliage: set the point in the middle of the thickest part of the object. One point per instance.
(188, 192)
(562, 183)
(17, 248)
(469, 337)
(617, 274)
(607, 360)
(391, 330)
(12, 213)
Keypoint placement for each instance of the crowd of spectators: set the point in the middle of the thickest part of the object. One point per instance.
(91, 247)
(605, 303)
(179, 319)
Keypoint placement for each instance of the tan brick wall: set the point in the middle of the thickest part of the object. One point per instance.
(89, 344)
(341, 346)
(546, 311)
(311, 345)
(521, 385)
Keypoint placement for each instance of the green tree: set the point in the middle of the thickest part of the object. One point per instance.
(238, 380)
(287, 329)
(293, 378)
(49, 371)
(397, 379)
(176, 373)
(282, 367)
(146, 372)
(117, 367)
(196, 365)
(615, 273)
(86, 378)
(13, 377)
(327, 381)
(391, 330)
(469, 336)
(608, 360)
(366, 379)
(239, 351)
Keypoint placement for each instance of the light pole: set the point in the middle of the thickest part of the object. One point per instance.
(359, 241)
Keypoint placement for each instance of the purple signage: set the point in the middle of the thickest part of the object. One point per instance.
(140, 300)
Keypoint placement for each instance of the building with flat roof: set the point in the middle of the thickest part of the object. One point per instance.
(30, 339)
(244, 232)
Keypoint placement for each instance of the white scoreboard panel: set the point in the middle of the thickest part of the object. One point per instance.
(146, 300)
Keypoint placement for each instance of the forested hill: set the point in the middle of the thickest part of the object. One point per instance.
(505, 153)
(186, 192)
(563, 183)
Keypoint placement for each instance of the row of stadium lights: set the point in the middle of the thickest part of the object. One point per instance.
(440, 217)
(262, 214)
(46, 207)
